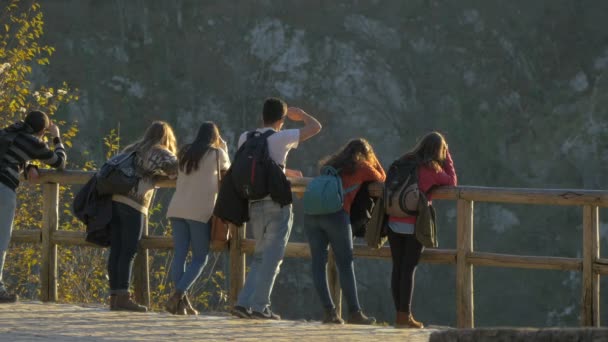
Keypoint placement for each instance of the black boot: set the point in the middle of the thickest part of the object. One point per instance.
(331, 316)
(359, 318)
(6, 297)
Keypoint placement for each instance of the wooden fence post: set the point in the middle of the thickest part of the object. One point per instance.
(590, 305)
(464, 270)
(237, 262)
(50, 223)
(141, 272)
(334, 282)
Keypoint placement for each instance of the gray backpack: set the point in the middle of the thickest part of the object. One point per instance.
(118, 175)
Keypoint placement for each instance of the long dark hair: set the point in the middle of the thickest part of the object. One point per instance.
(429, 151)
(347, 158)
(190, 155)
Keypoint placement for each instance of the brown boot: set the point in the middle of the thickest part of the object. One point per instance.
(113, 302)
(189, 309)
(124, 302)
(405, 320)
(173, 303)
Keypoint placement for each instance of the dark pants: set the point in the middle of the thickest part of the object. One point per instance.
(335, 230)
(127, 226)
(405, 251)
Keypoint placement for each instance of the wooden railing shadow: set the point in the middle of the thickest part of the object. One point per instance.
(464, 257)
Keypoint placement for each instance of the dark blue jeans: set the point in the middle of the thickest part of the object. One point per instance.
(335, 230)
(127, 226)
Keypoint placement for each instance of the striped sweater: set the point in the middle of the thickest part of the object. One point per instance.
(25, 148)
(158, 162)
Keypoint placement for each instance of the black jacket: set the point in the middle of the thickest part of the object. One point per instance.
(96, 213)
(361, 210)
(231, 207)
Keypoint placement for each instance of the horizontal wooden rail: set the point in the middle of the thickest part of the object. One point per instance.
(525, 261)
(576, 197)
(26, 236)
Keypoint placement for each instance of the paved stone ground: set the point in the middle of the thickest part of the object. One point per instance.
(35, 321)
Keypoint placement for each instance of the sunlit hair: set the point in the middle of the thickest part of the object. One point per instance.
(429, 151)
(158, 135)
(346, 159)
(190, 155)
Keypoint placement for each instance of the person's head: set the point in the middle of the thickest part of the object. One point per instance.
(431, 150)
(354, 152)
(159, 134)
(190, 155)
(274, 112)
(38, 122)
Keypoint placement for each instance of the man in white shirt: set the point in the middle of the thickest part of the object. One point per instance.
(271, 224)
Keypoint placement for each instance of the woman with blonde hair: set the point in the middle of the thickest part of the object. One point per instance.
(200, 166)
(435, 167)
(356, 163)
(154, 155)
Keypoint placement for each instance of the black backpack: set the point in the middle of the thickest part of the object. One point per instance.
(401, 191)
(251, 166)
(118, 175)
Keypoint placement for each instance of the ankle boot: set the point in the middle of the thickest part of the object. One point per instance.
(124, 302)
(405, 320)
(113, 302)
(331, 316)
(7, 297)
(359, 318)
(173, 303)
(190, 310)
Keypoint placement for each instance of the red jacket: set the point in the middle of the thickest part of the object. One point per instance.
(427, 178)
(365, 172)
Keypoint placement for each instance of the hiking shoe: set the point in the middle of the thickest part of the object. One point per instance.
(359, 318)
(331, 316)
(124, 302)
(6, 297)
(173, 303)
(267, 314)
(240, 312)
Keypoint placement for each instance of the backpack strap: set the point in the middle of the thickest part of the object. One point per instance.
(265, 135)
(351, 188)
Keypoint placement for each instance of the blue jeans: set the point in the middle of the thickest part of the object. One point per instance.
(8, 204)
(127, 226)
(271, 226)
(335, 230)
(189, 234)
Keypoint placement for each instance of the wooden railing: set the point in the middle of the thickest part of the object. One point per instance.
(464, 256)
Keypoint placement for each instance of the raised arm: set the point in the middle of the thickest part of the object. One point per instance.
(448, 176)
(57, 158)
(311, 126)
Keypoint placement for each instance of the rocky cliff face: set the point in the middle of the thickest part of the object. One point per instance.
(519, 88)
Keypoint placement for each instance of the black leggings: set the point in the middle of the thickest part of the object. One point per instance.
(405, 250)
(127, 226)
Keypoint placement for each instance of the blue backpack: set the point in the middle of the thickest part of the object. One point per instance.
(324, 194)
